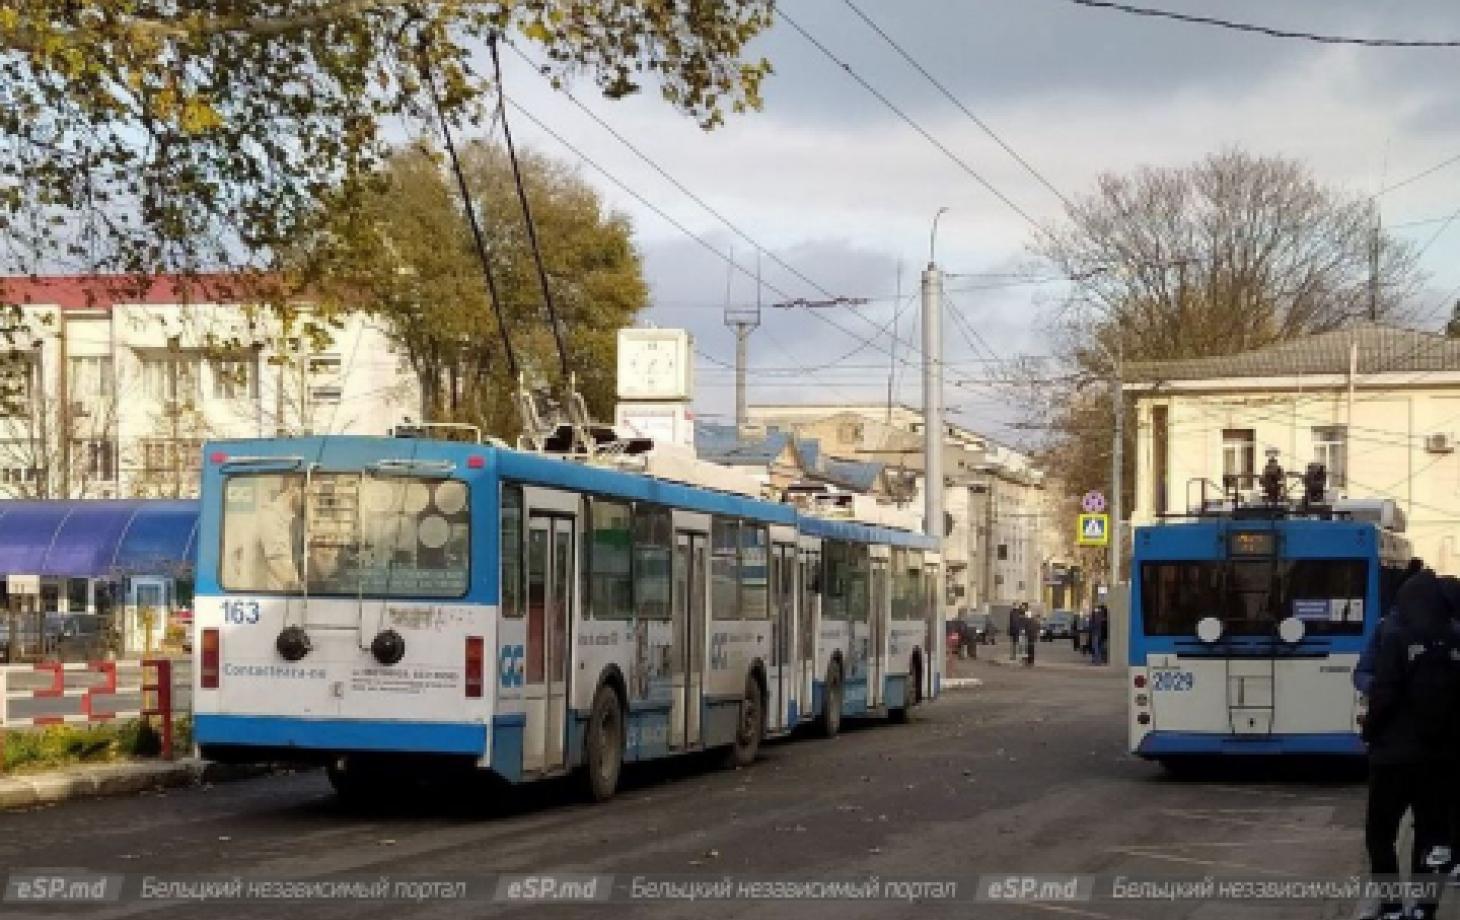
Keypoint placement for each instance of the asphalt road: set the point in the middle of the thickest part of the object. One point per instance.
(1025, 774)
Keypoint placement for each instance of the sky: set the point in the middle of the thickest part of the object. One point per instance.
(840, 189)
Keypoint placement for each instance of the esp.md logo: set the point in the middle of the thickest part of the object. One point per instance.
(512, 666)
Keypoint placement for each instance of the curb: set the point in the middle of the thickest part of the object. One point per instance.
(960, 683)
(95, 780)
(1048, 665)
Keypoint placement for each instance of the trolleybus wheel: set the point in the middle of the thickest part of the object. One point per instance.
(605, 744)
(830, 721)
(355, 784)
(750, 727)
(914, 693)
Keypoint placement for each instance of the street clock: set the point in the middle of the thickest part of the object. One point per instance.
(654, 364)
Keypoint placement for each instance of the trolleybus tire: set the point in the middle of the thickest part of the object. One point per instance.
(604, 744)
(914, 692)
(356, 784)
(749, 727)
(830, 720)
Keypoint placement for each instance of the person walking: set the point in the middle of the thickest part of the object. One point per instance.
(1016, 629)
(1414, 712)
(1076, 622)
(1031, 635)
(1098, 632)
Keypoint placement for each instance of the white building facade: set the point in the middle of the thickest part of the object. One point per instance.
(110, 386)
(1379, 407)
(1004, 533)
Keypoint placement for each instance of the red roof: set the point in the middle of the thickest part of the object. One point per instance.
(102, 292)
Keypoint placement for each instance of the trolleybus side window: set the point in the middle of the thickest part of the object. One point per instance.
(859, 579)
(350, 535)
(511, 602)
(907, 584)
(653, 536)
(725, 569)
(834, 585)
(610, 585)
(754, 569)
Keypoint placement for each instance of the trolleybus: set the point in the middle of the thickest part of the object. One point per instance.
(379, 604)
(1246, 624)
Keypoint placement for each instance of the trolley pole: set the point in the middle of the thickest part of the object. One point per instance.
(1117, 461)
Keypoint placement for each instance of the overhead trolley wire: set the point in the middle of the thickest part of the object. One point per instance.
(947, 94)
(911, 122)
(1268, 31)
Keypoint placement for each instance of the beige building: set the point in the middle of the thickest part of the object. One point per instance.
(1005, 540)
(108, 387)
(1378, 406)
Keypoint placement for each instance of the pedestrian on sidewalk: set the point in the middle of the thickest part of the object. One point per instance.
(1410, 728)
(1075, 624)
(1099, 629)
(1031, 635)
(1016, 627)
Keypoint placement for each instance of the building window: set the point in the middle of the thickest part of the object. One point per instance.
(1160, 457)
(19, 462)
(160, 455)
(17, 383)
(1239, 456)
(89, 377)
(96, 457)
(325, 379)
(234, 378)
(171, 377)
(1330, 448)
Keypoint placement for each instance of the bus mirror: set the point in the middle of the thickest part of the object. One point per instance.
(1209, 630)
(1291, 630)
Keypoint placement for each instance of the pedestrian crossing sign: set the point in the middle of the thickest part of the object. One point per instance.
(1094, 530)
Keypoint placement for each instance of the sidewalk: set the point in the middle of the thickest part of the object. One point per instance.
(27, 790)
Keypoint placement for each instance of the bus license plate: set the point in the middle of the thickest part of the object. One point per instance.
(1172, 681)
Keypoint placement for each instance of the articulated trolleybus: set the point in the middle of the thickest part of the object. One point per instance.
(1247, 620)
(393, 605)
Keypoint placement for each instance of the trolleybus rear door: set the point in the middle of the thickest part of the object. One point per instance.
(549, 599)
(806, 626)
(689, 638)
(783, 599)
(877, 626)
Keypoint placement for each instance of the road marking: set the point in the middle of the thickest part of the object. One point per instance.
(1235, 843)
(1225, 819)
(1217, 863)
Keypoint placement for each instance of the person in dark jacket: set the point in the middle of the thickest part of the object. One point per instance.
(1016, 625)
(1363, 674)
(1411, 730)
(1099, 632)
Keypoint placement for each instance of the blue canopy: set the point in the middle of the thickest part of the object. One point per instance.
(97, 539)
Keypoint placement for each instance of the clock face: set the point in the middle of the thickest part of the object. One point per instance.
(651, 366)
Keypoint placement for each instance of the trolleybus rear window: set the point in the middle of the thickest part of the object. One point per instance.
(1252, 596)
(351, 534)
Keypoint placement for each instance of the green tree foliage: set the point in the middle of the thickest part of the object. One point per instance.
(405, 253)
(1229, 254)
(146, 135)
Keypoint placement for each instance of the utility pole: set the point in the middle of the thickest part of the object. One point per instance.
(933, 391)
(1117, 461)
(744, 320)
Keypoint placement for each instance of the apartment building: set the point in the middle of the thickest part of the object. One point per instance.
(108, 386)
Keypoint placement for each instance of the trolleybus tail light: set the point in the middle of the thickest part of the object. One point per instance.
(218, 456)
(474, 662)
(476, 462)
(1140, 681)
(208, 679)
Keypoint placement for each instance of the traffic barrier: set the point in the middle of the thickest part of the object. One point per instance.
(56, 693)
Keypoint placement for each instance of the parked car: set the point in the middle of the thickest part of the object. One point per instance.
(985, 630)
(1057, 625)
(78, 636)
